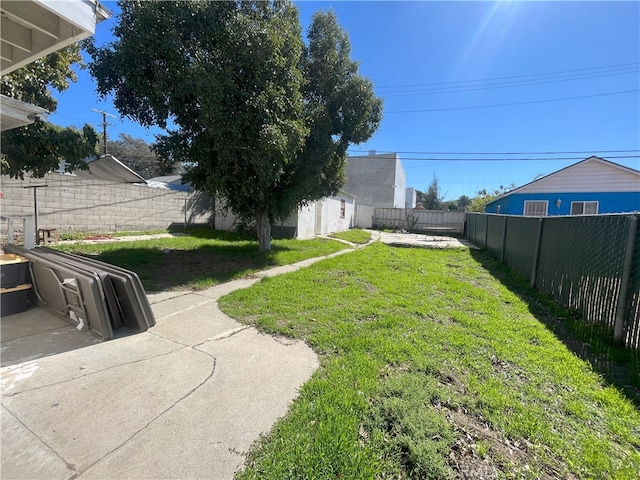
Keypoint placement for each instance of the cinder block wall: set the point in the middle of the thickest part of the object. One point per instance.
(74, 204)
(377, 180)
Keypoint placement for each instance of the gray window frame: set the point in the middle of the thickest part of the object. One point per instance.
(546, 208)
(584, 205)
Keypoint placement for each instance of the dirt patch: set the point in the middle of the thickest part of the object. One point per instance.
(482, 452)
(178, 269)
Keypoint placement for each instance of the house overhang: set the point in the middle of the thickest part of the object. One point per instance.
(14, 113)
(31, 29)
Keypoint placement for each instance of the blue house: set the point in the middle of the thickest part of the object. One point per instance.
(589, 187)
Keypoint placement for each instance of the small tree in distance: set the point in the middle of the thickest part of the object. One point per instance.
(139, 156)
(463, 202)
(480, 201)
(432, 199)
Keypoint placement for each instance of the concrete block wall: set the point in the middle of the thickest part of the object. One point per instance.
(73, 204)
(377, 180)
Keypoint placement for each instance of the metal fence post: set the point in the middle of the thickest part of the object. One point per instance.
(486, 230)
(618, 326)
(536, 253)
(475, 227)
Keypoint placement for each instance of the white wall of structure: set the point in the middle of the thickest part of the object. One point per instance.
(410, 198)
(318, 218)
(364, 216)
(334, 218)
(399, 186)
(225, 220)
(305, 221)
(299, 225)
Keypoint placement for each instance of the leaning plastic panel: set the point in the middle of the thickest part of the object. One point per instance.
(130, 297)
(68, 291)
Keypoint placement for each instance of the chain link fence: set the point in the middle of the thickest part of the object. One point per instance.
(590, 264)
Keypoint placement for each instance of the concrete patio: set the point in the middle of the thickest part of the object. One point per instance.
(185, 399)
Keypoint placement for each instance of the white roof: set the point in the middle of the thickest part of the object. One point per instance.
(166, 179)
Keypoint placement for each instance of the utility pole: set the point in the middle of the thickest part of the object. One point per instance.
(35, 206)
(104, 127)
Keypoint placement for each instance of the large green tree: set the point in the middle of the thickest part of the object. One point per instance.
(38, 148)
(262, 120)
(139, 156)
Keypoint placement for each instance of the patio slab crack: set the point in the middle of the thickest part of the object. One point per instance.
(157, 417)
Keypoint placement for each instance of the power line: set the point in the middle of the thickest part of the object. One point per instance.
(514, 76)
(519, 83)
(538, 159)
(507, 153)
(548, 100)
(475, 83)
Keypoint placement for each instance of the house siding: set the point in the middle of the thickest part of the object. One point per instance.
(591, 176)
(331, 220)
(614, 187)
(608, 202)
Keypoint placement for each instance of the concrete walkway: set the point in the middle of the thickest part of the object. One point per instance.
(424, 241)
(186, 399)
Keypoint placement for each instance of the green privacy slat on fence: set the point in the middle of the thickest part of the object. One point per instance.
(632, 312)
(579, 261)
(520, 244)
(481, 230)
(495, 229)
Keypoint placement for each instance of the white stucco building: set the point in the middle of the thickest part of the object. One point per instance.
(322, 217)
(410, 198)
(378, 180)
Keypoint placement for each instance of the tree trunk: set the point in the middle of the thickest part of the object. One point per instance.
(263, 228)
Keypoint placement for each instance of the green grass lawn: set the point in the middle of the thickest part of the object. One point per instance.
(82, 235)
(355, 235)
(202, 258)
(432, 367)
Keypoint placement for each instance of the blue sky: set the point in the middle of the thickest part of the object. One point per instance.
(442, 67)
